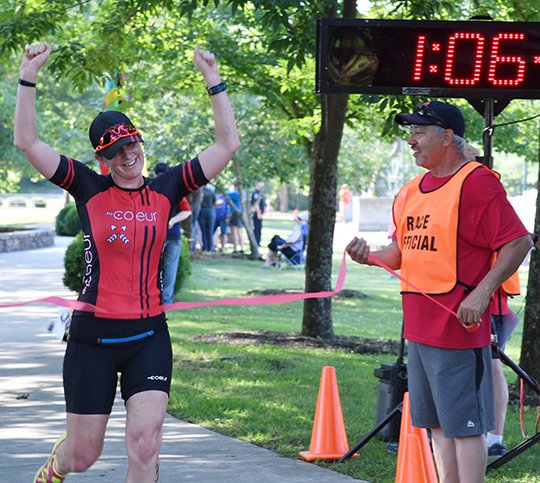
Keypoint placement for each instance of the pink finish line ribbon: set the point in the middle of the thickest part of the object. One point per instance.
(53, 299)
(376, 261)
(252, 300)
(267, 299)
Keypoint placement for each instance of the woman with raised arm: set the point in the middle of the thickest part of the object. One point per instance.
(122, 329)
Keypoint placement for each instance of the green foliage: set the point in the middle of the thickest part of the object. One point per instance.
(500, 10)
(515, 130)
(63, 117)
(265, 48)
(68, 222)
(74, 264)
(184, 265)
(24, 24)
(60, 222)
(11, 163)
(72, 222)
(368, 166)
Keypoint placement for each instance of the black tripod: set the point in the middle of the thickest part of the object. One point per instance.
(520, 448)
(397, 378)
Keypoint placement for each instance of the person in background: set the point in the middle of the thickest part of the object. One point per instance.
(172, 247)
(207, 217)
(119, 326)
(444, 245)
(235, 219)
(221, 222)
(345, 198)
(196, 239)
(471, 153)
(292, 247)
(504, 322)
(258, 207)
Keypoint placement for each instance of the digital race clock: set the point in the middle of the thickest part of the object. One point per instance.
(469, 59)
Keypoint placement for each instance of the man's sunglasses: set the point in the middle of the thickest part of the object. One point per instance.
(113, 134)
(426, 111)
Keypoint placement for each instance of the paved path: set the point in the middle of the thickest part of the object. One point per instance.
(32, 405)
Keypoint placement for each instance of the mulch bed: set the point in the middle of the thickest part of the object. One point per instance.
(358, 345)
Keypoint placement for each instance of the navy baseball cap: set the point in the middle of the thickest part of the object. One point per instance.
(435, 113)
(111, 130)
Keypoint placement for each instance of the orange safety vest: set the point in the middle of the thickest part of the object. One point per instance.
(427, 232)
(511, 285)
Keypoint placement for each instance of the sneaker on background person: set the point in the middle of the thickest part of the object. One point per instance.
(496, 450)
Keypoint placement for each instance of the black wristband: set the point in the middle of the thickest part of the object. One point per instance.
(212, 91)
(25, 83)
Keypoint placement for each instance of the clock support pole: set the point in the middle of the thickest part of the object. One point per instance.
(488, 109)
(487, 133)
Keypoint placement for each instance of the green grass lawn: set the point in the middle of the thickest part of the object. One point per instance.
(266, 394)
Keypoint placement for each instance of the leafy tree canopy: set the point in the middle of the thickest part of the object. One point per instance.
(266, 49)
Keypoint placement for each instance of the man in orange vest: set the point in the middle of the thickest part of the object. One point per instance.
(449, 223)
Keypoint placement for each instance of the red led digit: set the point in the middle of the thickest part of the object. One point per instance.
(505, 59)
(418, 61)
(448, 72)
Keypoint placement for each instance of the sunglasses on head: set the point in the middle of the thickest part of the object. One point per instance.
(113, 134)
(426, 111)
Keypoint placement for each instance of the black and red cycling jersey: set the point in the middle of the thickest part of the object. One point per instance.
(123, 233)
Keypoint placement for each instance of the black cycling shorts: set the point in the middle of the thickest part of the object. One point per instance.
(91, 372)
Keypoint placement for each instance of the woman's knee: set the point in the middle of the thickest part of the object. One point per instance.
(84, 441)
(82, 455)
(144, 447)
(145, 415)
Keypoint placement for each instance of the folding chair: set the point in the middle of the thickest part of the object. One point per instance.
(298, 260)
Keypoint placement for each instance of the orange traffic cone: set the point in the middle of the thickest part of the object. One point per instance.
(328, 439)
(415, 461)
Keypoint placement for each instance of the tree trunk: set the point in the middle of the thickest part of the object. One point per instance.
(253, 247)
(530, 343)
(323, 156)
(317, 321)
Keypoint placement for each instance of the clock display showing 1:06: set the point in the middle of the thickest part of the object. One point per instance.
(474, 59)
(501, 70)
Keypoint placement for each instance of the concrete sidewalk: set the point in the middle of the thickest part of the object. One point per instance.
(32, 405)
